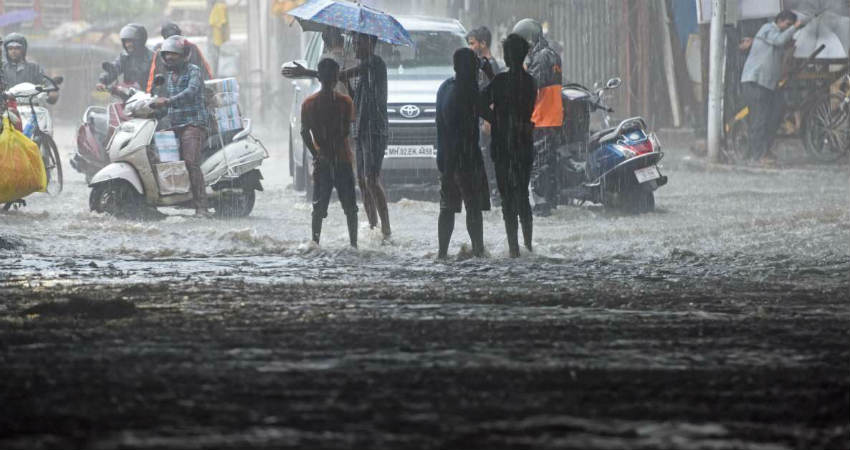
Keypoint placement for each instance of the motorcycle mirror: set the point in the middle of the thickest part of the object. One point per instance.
(159, 80)
(614, 83)
(58, 80)
(106, 66)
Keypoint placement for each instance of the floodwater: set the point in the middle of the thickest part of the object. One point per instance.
(721, 321)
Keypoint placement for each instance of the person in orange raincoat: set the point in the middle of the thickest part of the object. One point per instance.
(194, 56)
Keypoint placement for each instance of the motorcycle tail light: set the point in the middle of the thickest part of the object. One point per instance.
(642, 148)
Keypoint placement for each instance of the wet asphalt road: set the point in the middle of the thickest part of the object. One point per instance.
(719, 322)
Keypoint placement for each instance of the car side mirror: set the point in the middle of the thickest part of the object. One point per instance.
(159, 80)
(613, 83)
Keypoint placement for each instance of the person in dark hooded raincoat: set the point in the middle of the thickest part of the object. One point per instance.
(195, 56)
(16, 68)
(544, 64)
(513, 95)
(459, 160)
(134, 63)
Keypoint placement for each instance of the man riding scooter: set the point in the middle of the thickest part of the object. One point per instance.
(194, 56)
(17, 69)
(187, 113)
(134, 62)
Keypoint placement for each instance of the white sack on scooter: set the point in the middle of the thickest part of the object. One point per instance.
(173, 178)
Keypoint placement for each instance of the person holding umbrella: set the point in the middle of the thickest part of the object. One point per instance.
(371, 125)
(369, 90)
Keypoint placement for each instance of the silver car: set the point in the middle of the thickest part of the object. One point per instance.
(413, 76)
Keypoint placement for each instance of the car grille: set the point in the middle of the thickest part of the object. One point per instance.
(426, 112)
(412, 135)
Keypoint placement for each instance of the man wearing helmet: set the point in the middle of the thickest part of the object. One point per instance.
(134, 62)
(184, 98)
(194, 56)
(16, 68)
(544, 65)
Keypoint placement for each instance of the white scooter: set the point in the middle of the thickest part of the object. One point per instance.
(38, 125)
(135, 181)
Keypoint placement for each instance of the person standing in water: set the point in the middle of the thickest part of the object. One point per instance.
(513, 95)
(462, 175)
(371, 124)
(325, 126)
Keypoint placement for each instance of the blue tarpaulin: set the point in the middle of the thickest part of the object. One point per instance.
(684, 20)
(18, 16)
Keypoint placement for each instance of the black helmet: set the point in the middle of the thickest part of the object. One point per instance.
(170, 29)
(16, 38)
(135, 32)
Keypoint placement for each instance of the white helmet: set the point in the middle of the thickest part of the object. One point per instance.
(174, 44)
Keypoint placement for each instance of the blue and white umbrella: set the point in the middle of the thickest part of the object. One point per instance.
(316, 15)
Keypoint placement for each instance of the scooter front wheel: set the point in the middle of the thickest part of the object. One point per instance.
(117, 198)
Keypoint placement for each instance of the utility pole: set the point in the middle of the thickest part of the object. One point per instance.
(669, 68)
(717, 55)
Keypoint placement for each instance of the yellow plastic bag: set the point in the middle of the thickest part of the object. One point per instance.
(21, 167)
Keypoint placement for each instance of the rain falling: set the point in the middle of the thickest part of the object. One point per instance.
(582, 224)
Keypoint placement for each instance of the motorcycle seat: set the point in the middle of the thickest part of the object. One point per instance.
(601, 136)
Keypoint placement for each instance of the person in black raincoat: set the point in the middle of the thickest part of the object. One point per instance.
(513, 95)
(544, 64)
(134, 63)
(16, 68)
(462, 175)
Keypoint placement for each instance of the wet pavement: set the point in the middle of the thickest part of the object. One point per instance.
(721, 321)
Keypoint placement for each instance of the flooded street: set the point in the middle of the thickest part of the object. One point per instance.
(721, 321)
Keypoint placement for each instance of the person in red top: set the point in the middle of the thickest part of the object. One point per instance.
(194, 56)
(326, 118)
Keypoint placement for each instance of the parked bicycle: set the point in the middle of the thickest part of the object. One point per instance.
(37, 125)
(827, 129)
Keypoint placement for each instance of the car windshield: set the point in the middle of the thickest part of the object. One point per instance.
(432, 55)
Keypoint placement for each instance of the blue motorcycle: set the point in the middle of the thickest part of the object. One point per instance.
(616, 166)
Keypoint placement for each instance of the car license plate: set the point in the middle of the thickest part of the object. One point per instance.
(647, 174)
(410, 151)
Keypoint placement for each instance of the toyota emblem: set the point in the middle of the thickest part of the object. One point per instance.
(410, 111)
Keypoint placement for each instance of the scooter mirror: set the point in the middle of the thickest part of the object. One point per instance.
(58, 80)
(614, 83)
(107, 66)
(158, 80)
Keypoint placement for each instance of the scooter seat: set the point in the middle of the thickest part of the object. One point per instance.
(99, 120)
(216, 143)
